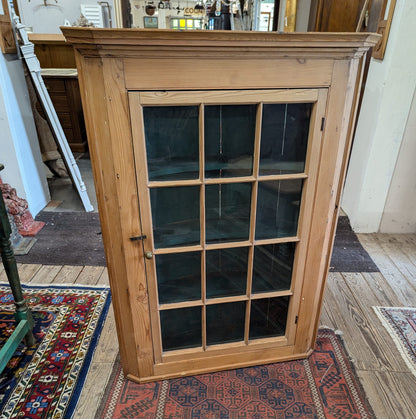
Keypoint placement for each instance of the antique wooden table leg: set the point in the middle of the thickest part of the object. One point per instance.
(23, 314)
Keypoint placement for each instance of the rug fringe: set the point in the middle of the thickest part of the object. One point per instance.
(393, 335)
(60, 285)
(336, 331)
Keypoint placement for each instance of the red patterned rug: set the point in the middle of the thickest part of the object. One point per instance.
(45, 381)
(322, 386)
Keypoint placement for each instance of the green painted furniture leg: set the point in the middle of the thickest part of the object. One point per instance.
(23, 315)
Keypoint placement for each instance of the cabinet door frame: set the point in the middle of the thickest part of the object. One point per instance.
(177, 360)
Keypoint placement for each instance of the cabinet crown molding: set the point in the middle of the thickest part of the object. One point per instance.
(131, 42)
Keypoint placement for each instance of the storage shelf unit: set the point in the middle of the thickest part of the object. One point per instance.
(218, 159)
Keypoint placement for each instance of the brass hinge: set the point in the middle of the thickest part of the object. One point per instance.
(296, 319)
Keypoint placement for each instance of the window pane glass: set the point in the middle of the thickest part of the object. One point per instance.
(273, 264)
(284, 138)
(227, 272)
(225, 322)
(175, 216)
(229, 140)
(268, 317)
(181, 328)
(227, 212)
(179, 277)
(278, 204)
(172, 142)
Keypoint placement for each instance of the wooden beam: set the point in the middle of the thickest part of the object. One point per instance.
(7, 42)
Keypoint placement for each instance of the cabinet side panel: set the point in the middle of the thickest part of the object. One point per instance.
(101, 145)
(356, 71)
(338, 117)
(128, 210)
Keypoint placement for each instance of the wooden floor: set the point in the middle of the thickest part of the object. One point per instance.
(348, 303)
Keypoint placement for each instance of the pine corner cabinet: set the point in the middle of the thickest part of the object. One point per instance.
(218, 159)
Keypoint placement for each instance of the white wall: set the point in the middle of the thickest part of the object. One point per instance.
(381, 124)
(399, 214)
(48, 19)
(19, 146)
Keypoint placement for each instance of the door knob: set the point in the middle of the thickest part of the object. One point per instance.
(148, 254)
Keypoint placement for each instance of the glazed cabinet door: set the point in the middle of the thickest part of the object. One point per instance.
(226, 183)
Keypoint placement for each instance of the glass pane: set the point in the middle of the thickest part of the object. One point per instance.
(278, 205)
(225, 322)
(273, 264)
(181, 328)
(284, 138)
(227, 212)
(172, 142)
(179, 277)
(268, 317)
(175, 215)
(227, 272)
(229, 140)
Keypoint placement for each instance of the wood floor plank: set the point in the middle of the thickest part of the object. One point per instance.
(325, 320)
(104, 279)
(398, 282)
(93, 390)
(359, 337)
(27, 271)
(382, 289)
(401, 260)
(107, 348)
(45, 275)
(68, 274)
(89, 275)
(407, 244)
(381, 343)
(392, 395)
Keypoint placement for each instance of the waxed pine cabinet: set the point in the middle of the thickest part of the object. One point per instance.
(218, 159)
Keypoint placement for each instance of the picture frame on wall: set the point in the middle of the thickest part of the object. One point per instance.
(150, 22)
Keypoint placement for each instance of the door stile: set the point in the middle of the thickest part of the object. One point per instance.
(139, 147)
(313, 156)
(253, 210)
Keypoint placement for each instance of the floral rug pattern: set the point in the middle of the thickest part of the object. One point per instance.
(45, 381)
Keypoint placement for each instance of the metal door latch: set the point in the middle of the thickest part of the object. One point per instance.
(135, 238)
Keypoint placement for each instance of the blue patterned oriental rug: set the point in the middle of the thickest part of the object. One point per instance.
(45, 381)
